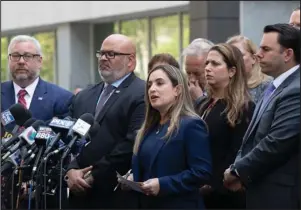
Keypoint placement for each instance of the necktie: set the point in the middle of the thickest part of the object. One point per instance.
(267, 94)
(103, 98)
(21, 100)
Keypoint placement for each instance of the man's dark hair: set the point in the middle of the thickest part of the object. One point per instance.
(288, 37)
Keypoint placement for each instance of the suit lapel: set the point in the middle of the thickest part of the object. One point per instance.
(257, 114)
(93, 98)
(156, 151)
(8, 95)
(115, 95)
(159, 145)
(39, 96)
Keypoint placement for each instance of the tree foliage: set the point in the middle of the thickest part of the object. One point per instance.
(165, 34)
(4, 69)
(47, 41)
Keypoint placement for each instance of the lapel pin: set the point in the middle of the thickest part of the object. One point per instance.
(117, 91)
(40, 98)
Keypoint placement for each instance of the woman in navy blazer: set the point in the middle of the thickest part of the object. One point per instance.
(171, 152)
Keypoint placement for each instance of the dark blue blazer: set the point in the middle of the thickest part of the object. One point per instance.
(49, 100)
(182, 164)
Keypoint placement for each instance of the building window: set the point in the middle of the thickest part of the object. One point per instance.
(137, 30)
(186, 34)
(167, 34)
(4, 68)
(47, 41)
(186, 30)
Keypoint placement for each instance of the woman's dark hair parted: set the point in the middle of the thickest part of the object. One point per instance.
(289, 37)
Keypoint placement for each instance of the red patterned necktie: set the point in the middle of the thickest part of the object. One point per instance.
(21, 99)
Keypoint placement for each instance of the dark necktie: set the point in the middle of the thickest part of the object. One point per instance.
(267, 94)
(21, 100)
(103, 98)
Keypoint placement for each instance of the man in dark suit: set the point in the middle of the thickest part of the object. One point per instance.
(43, 99)
(267, 164)
(118, 106)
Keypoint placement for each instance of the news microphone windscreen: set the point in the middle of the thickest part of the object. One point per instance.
(29, 122)
(88, 118)
(20, 113)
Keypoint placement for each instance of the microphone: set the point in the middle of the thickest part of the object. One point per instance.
(31, 157)
(83, 143)
(6, 117)
(13, 160)
(43, 135)
(26, 137)
(20, 115)
(80, 129)
(61, 127)
(10, 141)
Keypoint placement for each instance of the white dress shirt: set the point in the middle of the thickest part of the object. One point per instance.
(278, 81)
(29, 89)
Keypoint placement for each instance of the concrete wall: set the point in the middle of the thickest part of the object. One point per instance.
(214, 20)
(254, 15)
(43, 14)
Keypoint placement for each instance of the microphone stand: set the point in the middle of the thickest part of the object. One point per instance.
(61, 170)
(45, 160)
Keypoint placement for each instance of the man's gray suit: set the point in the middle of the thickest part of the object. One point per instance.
(268, 161)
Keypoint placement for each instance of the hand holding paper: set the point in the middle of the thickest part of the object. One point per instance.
(136, 186)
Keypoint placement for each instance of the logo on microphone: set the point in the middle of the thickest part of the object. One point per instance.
(7, 117)
(16, 157)
(61, 123)
(44, 133)
(28, 135)
(31, 134)
(81, 127)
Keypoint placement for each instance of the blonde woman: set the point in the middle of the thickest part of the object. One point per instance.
(171, 152)
(227, 110)
(256, 80)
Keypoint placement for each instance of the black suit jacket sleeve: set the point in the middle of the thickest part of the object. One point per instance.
(104, 169)
(276, 147)
(73, 165)
(71, 108)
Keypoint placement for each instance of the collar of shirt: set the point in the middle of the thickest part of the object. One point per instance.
(29, 89)
(117, 83)
(278, 81)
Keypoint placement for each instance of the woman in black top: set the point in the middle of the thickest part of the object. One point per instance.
(227, 110)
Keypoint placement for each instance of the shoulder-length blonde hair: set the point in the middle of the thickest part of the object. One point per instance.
(236, 95)
(183, 105)
(256, 76)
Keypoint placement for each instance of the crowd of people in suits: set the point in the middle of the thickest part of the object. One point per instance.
(221, 133)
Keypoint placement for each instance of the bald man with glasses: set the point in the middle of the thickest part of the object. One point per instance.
(117, 104)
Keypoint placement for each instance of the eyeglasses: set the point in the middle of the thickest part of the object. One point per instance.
(27, 57)
(109, 54)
